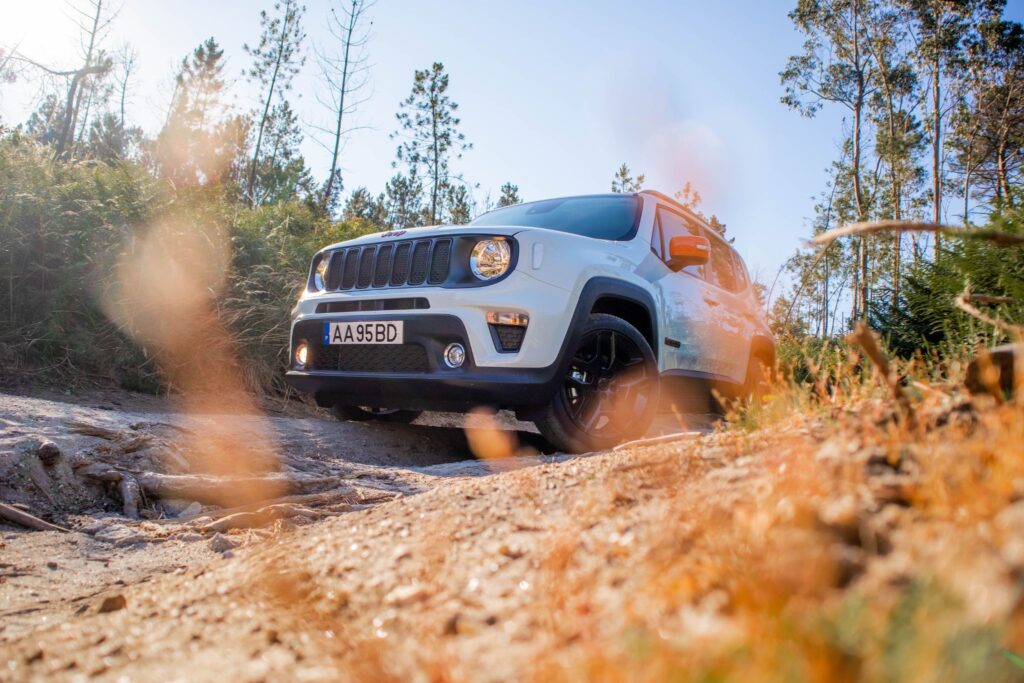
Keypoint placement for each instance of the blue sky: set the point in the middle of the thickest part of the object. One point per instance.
(553, 95)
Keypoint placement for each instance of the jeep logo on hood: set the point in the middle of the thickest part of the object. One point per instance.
(394, 233)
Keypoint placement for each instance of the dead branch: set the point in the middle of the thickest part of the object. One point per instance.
(863, 337)
(997, 237)
(13, 514)
(208, 490)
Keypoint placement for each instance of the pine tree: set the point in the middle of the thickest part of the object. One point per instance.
(403, 201)
(281, 172)
(343, 71)
(201, 142)
(430, 135)
(277, 59)
(623, 182)
(458, 204)
(509, 195)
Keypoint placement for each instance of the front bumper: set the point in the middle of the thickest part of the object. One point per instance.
(415, 376)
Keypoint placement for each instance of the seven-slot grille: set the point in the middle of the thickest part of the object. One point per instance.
(392, 264)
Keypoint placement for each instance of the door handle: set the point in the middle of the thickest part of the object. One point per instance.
(711, 302)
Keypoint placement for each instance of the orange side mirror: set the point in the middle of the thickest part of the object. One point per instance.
(688, 250)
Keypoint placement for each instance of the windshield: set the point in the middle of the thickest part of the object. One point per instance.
(604, 217)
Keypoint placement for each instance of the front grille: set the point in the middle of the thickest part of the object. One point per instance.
(393, 264)
(509, 338)
(370, 358)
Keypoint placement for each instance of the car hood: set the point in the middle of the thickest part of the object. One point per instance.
(428, 232)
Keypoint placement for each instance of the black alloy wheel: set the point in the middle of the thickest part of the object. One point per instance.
(610, 391)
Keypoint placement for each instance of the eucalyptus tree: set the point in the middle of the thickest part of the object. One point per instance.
(995, 119)
(898, 137)
(277, 58)
(429, 136)
(836, 67)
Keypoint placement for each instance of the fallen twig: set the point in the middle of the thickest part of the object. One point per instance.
(997, 237)
(344, 494)
(656, 440)
(89, 429)
(965, 300)
(13, 514)
(262, 517)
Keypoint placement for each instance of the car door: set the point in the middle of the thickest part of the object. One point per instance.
(730, 328)
(681, 300)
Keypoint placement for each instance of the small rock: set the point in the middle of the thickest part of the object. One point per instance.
(47, 452)
(221, 543)
(190, 537)
(52, 565)
(119, 535)
(403, 596)
(113, 603)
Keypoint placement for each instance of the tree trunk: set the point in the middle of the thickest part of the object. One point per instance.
(266, 111)
(937, 147)
(329, 188)
(858, 110)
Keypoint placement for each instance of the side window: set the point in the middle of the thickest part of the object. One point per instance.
(656, 246)
(722, 271)
(675, 225)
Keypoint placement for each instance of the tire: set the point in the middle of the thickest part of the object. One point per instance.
(610, 391)
(365, 413)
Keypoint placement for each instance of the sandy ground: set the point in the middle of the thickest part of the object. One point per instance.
(50, 577)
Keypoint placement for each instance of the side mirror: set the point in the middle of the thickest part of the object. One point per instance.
(688, 250)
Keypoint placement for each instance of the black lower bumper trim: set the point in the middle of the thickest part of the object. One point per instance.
(434, 386)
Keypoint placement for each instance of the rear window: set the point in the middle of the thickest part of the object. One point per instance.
(722, 269)
(603, 217)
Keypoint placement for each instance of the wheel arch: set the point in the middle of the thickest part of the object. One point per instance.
(764, 348)
(625, 300)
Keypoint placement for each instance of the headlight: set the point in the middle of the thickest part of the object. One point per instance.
(490, 259)
(319, 280)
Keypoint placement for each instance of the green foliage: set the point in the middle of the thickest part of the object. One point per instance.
(63, 228)
(625, 183)
(509, 195)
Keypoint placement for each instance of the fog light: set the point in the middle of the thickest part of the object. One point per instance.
(301, 354)
(508, 318)
(455, 355)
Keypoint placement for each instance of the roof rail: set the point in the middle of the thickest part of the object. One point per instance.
(665, 198)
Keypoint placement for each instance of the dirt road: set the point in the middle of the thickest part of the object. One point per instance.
(49, 577)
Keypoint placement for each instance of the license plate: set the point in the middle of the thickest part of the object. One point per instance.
(366, 332)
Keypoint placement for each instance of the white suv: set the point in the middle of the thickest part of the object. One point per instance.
(573, 312)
